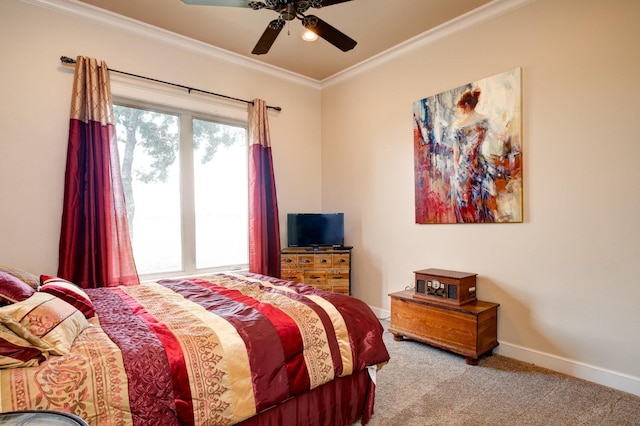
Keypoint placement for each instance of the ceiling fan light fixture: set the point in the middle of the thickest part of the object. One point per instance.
(309, 35)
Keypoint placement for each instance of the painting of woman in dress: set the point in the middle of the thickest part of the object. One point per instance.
(472, 189)
(468, 153)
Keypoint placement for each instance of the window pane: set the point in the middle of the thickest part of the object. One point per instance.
(148, 144)
(221, 194)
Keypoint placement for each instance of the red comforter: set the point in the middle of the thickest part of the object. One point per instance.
(209, 350)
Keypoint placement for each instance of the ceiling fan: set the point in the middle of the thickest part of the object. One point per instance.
(288, 11)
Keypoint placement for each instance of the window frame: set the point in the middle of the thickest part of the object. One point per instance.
(187, 183)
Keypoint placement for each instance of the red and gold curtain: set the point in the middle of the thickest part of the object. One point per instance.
(95, 247)
(264, 229)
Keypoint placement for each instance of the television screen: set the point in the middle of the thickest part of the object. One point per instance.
(315, 229)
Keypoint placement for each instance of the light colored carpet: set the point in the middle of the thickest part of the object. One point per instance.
(422, 385)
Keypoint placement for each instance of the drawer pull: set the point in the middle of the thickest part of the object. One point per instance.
(341, 260)
(286, 260)
(323, 260)
(306, 261)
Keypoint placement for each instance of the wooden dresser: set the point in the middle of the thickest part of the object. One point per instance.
(324, 267)
(469, 329)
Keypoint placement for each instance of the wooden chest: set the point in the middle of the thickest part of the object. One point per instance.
(469, 330)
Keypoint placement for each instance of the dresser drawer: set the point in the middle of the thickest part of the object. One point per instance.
(323, 287)
(305, 261)
(291, 275)
(342, 289)
(317, 278)
(322, 261)
(340, 260)
(288, 261)
(338, 277)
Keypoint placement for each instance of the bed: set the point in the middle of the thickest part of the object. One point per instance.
(220, 349)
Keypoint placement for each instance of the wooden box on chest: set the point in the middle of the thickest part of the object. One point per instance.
(450, 287)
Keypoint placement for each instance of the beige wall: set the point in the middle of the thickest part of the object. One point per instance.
(36, 90)
(568, 278)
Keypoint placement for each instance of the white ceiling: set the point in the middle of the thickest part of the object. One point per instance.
(376, 25)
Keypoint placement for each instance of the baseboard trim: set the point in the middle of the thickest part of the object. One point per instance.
(591, 373)
(381, 313)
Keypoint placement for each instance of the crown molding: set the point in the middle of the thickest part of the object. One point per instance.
(150, 32)
(122, 23)
(475, 17)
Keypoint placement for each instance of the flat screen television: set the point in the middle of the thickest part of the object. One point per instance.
(315, 229)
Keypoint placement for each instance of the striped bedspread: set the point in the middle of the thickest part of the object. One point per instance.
(208, 350)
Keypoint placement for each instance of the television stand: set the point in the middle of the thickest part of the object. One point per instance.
(325, 267)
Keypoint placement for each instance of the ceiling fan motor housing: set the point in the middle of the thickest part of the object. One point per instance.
(288, 10)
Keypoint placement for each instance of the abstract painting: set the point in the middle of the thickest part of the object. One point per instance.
(468, 153)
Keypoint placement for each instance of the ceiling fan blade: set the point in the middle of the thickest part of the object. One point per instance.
(230, 3)
(329, 33)
(326, 3)
(268, 37)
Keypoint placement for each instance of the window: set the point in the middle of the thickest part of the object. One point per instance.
(185, 180)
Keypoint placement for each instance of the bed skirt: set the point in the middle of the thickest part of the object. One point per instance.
(340, 402)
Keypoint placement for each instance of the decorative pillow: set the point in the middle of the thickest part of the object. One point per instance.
(48, 323)
(69, 292)
(32, 280)
(13, 290)
(15, 352)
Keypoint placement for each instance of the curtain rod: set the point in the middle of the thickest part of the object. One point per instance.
(68, 60)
